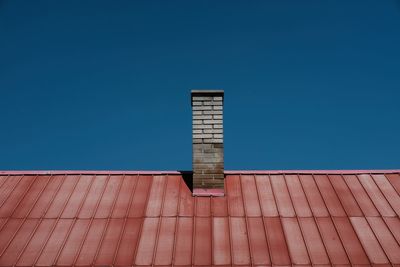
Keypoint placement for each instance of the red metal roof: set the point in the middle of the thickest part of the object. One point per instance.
(150, 218)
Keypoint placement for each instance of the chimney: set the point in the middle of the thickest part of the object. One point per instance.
(208, 145)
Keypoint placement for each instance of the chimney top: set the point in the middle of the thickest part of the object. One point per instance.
(199, 91)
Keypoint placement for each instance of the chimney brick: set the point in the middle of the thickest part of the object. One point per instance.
(208, 147)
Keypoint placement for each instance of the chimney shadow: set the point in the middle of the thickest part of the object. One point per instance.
(188, 179)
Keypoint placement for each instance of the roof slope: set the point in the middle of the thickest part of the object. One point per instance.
(266, 218)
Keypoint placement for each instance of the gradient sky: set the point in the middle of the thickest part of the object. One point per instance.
(106, 84)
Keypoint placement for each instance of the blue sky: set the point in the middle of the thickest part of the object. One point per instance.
(106, 84)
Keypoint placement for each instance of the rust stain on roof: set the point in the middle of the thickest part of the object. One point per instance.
(152, 219)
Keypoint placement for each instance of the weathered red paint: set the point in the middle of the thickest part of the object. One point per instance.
(123, 218)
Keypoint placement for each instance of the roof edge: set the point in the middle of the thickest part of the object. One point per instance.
(232, 172)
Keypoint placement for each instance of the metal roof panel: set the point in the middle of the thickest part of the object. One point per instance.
(152, 219)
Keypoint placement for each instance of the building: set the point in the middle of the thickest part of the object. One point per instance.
(228, 218)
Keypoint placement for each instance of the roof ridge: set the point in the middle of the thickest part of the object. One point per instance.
(166, 172)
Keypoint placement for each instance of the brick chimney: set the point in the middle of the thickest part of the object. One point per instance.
(208, 145)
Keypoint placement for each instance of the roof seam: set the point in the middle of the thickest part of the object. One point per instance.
(263, 221)
(246, 217)
(55, 222)
(229, 227)
(348, 216)
(160, 220)
(142, 220)
(12, 190)
(108, 222)
(176, 223)
(70, 227)
(91, 219)
(330, 218)
(26, 216)
(23, 220)
(125, 218)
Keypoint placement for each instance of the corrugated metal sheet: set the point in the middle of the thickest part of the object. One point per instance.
(151, 219)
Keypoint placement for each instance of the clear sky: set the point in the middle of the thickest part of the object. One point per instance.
(106, 84)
